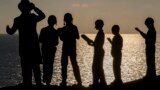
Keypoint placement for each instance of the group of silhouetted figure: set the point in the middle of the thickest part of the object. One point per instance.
(36, 49)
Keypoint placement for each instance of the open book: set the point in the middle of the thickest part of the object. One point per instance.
(88, 40)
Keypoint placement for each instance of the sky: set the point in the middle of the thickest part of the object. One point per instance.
(128, 14)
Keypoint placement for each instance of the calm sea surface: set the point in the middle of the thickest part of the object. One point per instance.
(133, 60)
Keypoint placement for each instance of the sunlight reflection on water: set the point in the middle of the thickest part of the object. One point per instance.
(133, 61)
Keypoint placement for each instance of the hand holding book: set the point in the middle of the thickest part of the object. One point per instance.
(88, 40)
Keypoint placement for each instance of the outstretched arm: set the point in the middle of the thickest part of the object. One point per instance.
(142, 33)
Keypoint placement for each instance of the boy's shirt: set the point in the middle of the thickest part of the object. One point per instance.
(117, 44)
(49, 36)
(99, 40)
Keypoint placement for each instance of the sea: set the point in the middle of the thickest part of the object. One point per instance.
(133, 66)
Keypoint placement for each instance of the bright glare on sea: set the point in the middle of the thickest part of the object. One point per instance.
(133, 65)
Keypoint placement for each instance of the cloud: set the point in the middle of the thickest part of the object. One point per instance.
(83, 5)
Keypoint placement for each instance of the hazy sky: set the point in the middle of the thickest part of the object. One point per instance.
(126, 13)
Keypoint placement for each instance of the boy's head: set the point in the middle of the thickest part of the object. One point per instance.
(99, 24)
(25, 6)
(68, 18)
(115, 29)
(52, 20)
(149, 22)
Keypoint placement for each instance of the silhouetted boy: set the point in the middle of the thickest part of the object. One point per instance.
(49, 40)
(116, 52)
(150, 40)
(68, 34)
(97, 66)
(29, 49)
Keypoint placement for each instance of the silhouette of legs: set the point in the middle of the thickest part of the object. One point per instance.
(35, 68)
(48, 70)
(95, 74)
(48, 61)
(98, 75)
(117, 68)
(27, 68)
(150, 56)
(64, 63)
(97, 69)
(75, 68)
(102, 77)
(26, 72)
(37, 74)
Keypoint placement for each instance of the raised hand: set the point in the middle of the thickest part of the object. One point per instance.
(142, 33)
(8, 29)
